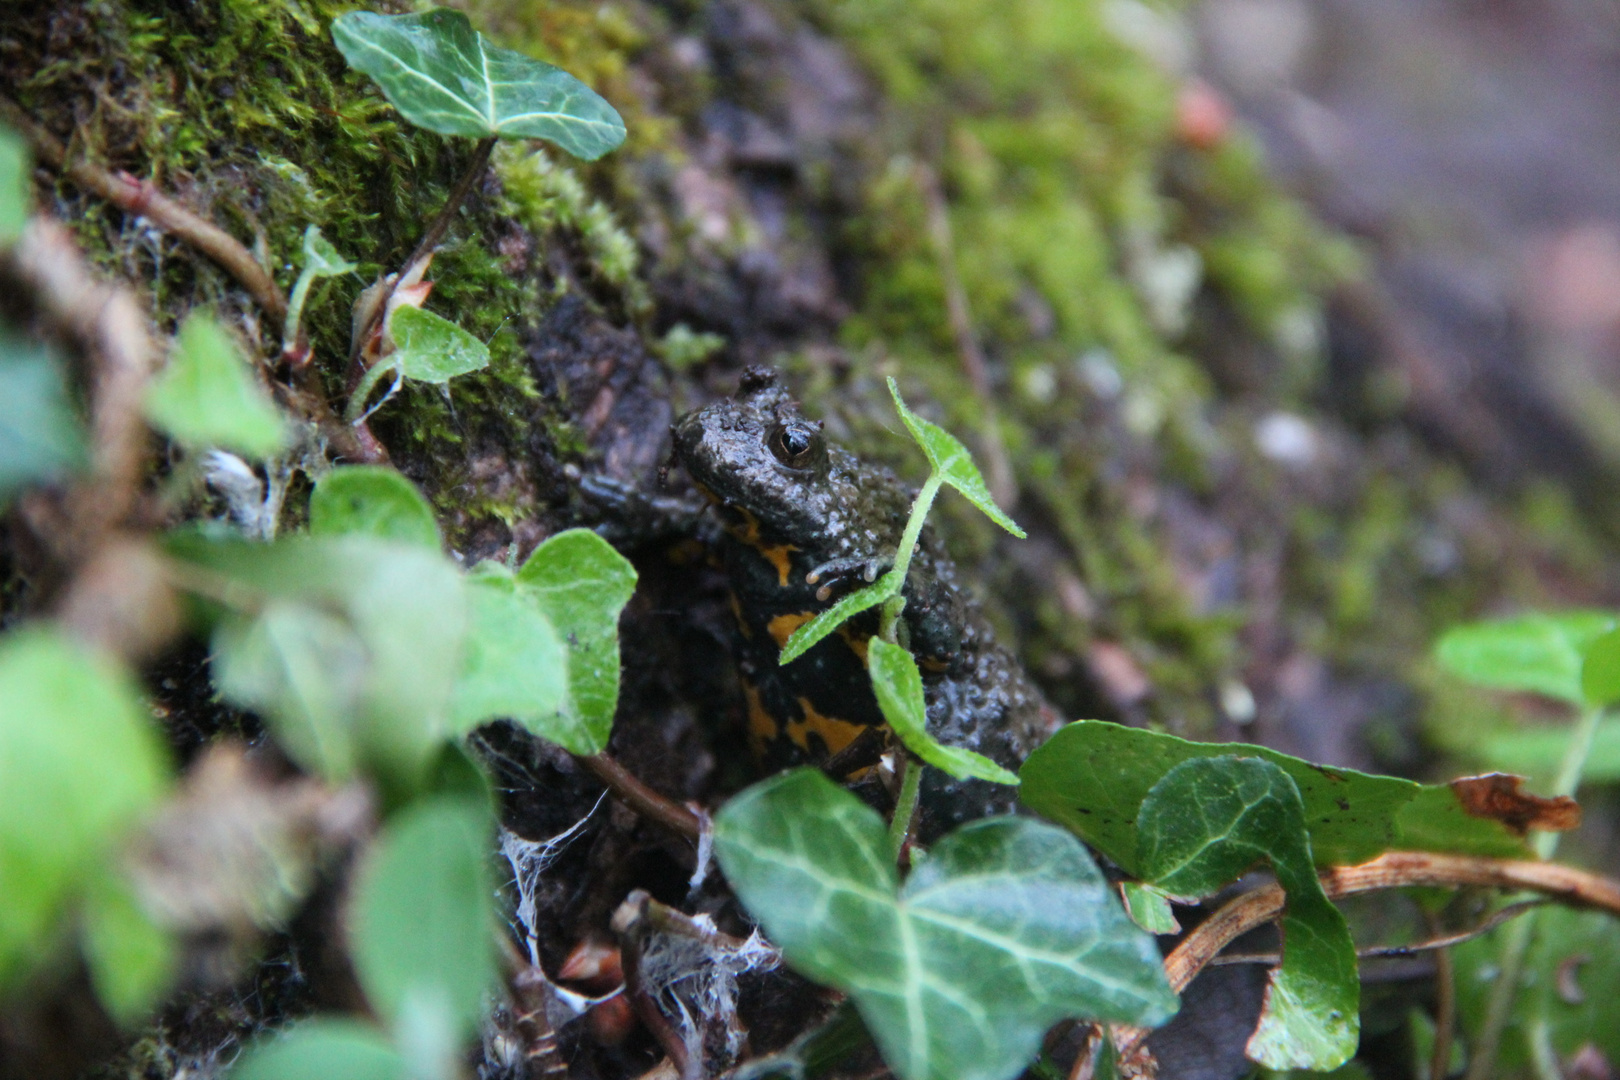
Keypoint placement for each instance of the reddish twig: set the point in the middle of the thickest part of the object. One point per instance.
(139, 197)
(641, 798)
(631, 924)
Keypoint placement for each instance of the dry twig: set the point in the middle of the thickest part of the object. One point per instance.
(139, 197)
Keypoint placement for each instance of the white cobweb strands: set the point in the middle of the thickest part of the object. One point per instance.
(529, 859)
(697, 977)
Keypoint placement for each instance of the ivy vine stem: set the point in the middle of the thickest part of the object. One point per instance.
(1516, 941)
(430, 239)
(905, 806)
(888, 624)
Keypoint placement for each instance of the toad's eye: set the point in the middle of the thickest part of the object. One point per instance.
(796, 444)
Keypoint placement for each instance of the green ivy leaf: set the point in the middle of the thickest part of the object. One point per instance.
(375, 500)
(323, 1050)
(953, 462)
(1149, 907)
(433, 349)
(515, 665)
(132, 960)
(443, 75)
(899, 689)
(807, 636)
(1206, 823)
(321, 259)
(1091, 777)
(1539, 653)
(207, 396)
(41, 437)
(421, 920)
(16, 185)
(1007, 928)
(581, 584)
(348, 645)
(79, 763)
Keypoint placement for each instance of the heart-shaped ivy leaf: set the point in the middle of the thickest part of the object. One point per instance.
(443, 75)
(420, 915)
(1207, 822)
(515, 665)
(580, 584)
(349, 645)
(208, 395)
(1007, 927)
(953, 462)
(433, 349)
(373, 500)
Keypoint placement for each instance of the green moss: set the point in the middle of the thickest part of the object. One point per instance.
(245, 111)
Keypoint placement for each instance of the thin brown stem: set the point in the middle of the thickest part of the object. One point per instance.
(424, 247)
(1445, 1011)
(1439, 942)
(631, 924)
(641, 798)
(139, 197)
(1394, 870)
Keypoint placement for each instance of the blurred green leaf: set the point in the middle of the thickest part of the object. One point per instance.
(1539, 653)
(1007, 927)
(1149, 908)
(375, 500)
(443, 75)
(349, 645)
(1092, 776)
(433, 349)
(581, 585)
(79, 764)
(207, 395)
(132, 959)
(1569, 978)
(323, 1050)
(1539, 751)
(515, 665)
(1600, 670)
(422, 919)
(1206, 823)
(809, 634)
(953, 462)
(899, 689)
(16, 185)
(41, 437)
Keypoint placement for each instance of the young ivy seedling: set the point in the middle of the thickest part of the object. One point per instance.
(896, 680)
